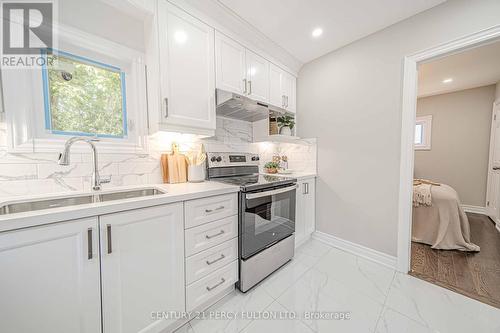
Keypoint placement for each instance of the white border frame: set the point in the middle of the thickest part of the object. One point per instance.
(409, 106)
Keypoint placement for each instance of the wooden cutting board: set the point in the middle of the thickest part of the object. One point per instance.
(174, 167)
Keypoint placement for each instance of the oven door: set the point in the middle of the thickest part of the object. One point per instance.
(266, 218)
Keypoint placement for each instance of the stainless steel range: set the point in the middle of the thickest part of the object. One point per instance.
(266, 214)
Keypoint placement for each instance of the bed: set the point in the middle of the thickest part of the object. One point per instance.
(442, 224)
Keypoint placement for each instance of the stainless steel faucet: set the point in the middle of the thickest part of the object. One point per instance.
(64, 159)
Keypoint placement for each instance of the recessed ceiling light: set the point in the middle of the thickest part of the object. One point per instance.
(317, 32)
(448, 80)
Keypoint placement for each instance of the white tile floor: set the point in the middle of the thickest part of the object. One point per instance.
(323, 279)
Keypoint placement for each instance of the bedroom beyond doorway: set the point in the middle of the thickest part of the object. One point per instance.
(456, 189)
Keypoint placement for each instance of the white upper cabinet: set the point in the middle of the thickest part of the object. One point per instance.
(257, 77)
(240, 70)
(142, 268)
(282, 88)
(187, 70)
(276, 96)
(50, 278)
(289, 86)
(231, 65)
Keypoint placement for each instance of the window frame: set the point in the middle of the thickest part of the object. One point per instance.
(25, 117)
(84, 60)
(426, 123)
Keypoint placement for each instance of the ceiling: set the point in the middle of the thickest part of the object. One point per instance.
(469, 69)
(289, 23)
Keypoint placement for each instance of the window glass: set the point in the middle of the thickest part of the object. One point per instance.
(423, 132)
(84, 97)
(418, 133)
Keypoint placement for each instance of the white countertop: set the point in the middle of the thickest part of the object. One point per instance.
(174, 193)
(298, 175)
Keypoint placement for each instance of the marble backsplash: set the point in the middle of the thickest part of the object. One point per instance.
(39, 173)
(301, 157)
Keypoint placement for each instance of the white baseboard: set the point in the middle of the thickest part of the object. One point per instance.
(299, 242)
(474, 209)
(356, 249)
(498, 227)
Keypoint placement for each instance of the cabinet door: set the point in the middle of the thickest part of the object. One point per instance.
(276, 96)
(305, 220)
(288, 86)
(257, 76)
(300, 216)
(187, 64)
(142, 267)
(310, 205)
(230, 63)
(50, 278)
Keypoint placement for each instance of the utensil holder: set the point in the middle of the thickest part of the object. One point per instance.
(196, 173)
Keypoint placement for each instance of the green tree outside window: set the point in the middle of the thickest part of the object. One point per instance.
(84, 98)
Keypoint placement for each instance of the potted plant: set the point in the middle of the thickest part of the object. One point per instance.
(271, 167)
(286, 124)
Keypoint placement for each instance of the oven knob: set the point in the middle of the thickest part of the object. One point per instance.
(255, 158)
(213, 159)
(219, 159)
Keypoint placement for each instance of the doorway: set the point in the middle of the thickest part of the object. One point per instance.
(407, 167)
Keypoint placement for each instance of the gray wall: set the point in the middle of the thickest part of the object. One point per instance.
(350, 99)
(461, 123)
(498, 91)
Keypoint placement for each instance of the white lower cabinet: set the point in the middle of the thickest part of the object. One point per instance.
(51, 275)
(210, 287)
(305, 216)
(210, 234)
(115, 273)
(142, 267)
(201, 264)
(49, 280)
(211, 249)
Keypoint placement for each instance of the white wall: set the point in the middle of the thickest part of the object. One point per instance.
(350, 100)
(461, 125)
(498, 92)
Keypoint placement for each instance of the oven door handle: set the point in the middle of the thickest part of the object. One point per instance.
(250, 196)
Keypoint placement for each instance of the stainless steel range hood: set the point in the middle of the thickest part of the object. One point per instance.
(241, 107)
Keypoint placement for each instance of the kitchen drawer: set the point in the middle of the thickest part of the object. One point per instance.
(208, 235)
(207, 261)
(211, 286)
(210, 209)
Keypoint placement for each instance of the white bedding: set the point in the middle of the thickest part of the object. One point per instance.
(443, 225)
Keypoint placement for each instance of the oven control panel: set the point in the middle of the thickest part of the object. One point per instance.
(231, 159)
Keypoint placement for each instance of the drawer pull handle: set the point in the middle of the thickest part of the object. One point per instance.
(90, 250)
(212, 210)
(218, 234)
(222, 280)
(108, 233)
(215, 260)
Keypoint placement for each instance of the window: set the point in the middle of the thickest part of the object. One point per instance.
(91, 87)
(83, 97)
(423, 129)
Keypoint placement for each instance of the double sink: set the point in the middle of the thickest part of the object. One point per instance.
(41, 204)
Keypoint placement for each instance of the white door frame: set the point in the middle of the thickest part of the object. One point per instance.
(409, 107)
(492, 213)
